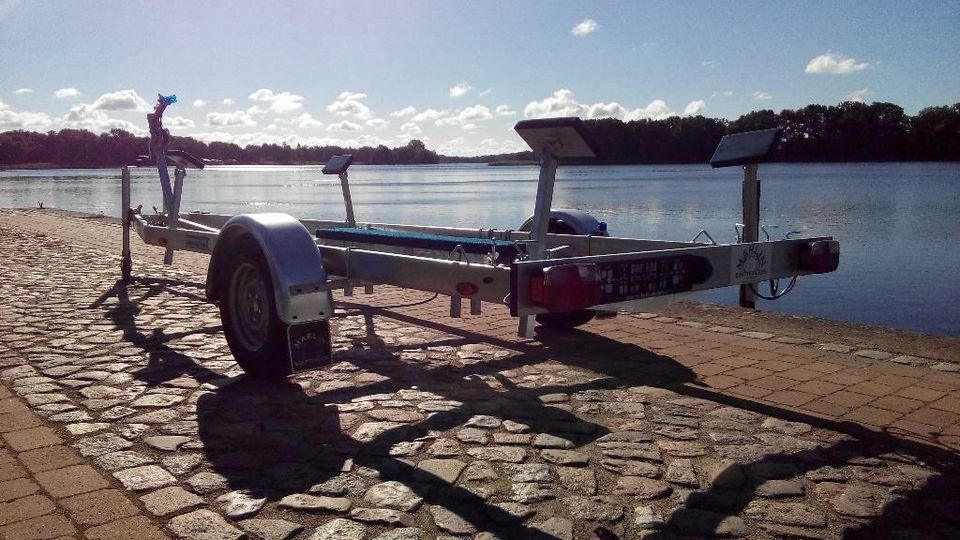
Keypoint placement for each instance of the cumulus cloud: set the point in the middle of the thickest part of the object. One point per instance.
(834, 64)
(350, 103)
(474, 114)
(429, 115)
(65, 93)
(228, 102)
(460, 147)
(695, 108)
(606, 110)
(282, 103)
(656, 110)
(761, 95)
(404, 112)
(21, 91)
(230, 119)
(345, 125)
(858, 95)
(725, 93)
(460, 89)
(177, 122)
(305, 121)
(504, 110)
(11, 120)
(411, 129)
(561, 103)
(121, 100)
(584, 27)
(92, 119)
(377, 123)
(198, 103)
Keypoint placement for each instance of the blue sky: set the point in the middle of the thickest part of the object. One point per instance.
(457, 75)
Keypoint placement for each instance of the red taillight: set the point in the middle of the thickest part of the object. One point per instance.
(162, 241)
(567, 287)
(821, 257)
(466, 288)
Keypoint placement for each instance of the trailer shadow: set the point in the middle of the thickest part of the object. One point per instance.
(164, 363)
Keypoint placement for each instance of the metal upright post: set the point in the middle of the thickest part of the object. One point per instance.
(751, 223)
(126, 262)
(541, 221)
(347, 201)
(174, 214)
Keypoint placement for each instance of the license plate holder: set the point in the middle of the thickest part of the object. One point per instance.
(309, 346)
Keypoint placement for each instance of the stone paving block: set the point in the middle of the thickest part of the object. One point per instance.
(169, 500)
(49, 458)
(99, 507)
(131, 528)
(203, 525)
(10, 471)
(47, 527)
(28, 439)
(14, 489)
(25, 508)
(17, 421)
(71, 480)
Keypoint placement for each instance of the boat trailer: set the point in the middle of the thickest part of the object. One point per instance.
(273, 274)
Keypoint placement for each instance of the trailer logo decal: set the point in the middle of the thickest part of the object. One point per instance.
(750, 263)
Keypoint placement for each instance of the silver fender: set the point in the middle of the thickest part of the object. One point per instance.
(581, 222)
(294, 260)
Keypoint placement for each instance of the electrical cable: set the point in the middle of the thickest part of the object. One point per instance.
(395, 306)
(774, 285)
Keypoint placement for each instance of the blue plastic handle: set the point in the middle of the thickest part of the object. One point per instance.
(169, 100)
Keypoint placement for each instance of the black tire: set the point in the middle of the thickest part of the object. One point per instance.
(256, 336)
(572, 319)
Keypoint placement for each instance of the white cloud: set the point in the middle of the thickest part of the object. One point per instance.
(345, 125)
(448, 120)
(695, 108)
(709, 64)
(12, 120)
(761, 95)
(198, 103)
(469, 127)
(350, 103)
(256, 110)
(428, 115)
(177, 122)
(306, 120)
(377, 123)
(859, 95)
(584, 27)
(121, 100)
(606, 110)
(282, 103)
(474, 114)
(460, 89)
(656, 110)
(87, 117)
(725, 93)
(65, 93)
(20, 91)
(486, 92)
(228, 102)
(834, 64)
(561, 103)
(460, 147)
(404, 112)
(504, 110)
(230, 119)
(411, 129)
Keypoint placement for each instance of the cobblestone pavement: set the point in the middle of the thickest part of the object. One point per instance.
(123, 415)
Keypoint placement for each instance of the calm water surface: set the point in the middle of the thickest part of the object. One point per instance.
(898, 224)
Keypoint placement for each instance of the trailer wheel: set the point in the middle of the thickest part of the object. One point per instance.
(256, 336)
(572, 319)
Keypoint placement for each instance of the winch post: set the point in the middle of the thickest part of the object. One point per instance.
(751, 223)
(173, 213)
(541, 220)
(347, 201)
(126, 262)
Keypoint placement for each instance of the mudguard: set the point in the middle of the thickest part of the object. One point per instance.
(296, 266)
(581, 222)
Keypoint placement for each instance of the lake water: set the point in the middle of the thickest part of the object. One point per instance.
(898, 223)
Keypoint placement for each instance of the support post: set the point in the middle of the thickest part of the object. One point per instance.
(541, 221)
(751, 223)
(173, 215)
(347, 201)
(126, 261)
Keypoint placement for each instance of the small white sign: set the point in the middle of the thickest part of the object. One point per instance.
(750, 263)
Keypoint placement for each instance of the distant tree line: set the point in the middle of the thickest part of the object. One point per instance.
(850, 131)
(82, 149)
